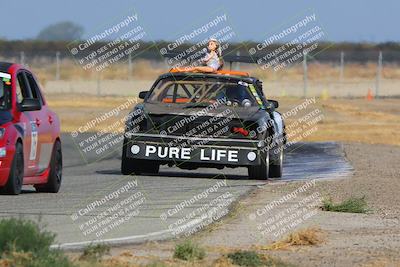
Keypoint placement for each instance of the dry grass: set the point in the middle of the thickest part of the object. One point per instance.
(351, 110)
(189, 251)
(353, 120)
(304, 237)
(222, 262)
(352, 205)
(137, 262)
(143, 69)
(325, 72)
(216, 257)
(76, 111)
(380, 262)
(16, 258)
(69, 70)
(85, 101)
(253, 259)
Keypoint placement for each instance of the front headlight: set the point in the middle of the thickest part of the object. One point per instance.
(2, 132)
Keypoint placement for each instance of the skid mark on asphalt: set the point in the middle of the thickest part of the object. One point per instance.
(319, 160)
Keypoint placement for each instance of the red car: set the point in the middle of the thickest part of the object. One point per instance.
(30, 145)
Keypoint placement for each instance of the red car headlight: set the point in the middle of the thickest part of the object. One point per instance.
(3, 152)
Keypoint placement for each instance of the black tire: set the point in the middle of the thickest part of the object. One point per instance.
(260, 172)
(16, 176)
(151, 167)
(276, 167)
(55, 175)
(127, 166)
(137, 166)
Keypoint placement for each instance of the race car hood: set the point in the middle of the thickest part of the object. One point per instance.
(249, 113)
(177, 120)
(5, 116)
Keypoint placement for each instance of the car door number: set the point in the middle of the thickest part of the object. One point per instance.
(34, 142)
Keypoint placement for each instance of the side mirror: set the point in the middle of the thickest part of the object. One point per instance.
(30, 104)
(143, 94)
(274, 103)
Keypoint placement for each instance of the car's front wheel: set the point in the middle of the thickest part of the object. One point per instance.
(16, 176)
(261, 171)
(138, 166)
(276, 167)
(55, 175)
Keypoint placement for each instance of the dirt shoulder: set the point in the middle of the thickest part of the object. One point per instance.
(371, 239)
(350, 239)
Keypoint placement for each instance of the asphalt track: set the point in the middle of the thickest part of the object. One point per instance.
(92, 206)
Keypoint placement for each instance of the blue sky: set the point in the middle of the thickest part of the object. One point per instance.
(353, 21)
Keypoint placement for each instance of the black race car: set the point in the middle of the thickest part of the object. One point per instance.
(192, 120)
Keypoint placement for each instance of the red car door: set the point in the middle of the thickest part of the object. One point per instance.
(38, 142)
(26, 119)
(43, 121)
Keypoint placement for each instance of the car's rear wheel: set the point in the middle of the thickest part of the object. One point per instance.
(260, 172)
(55, 175)
(276, 167)
(16, 176)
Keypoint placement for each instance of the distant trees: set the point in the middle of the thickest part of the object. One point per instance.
(61, 31)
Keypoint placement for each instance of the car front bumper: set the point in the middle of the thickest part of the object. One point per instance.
(178, 149)
(5, 165)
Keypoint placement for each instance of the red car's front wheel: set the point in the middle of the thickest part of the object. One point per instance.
(55, 176)
(14, 183)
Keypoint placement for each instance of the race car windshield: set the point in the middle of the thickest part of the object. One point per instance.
(5, 93)
(202, 91)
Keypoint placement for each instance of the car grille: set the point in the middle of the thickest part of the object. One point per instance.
(200, 127)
